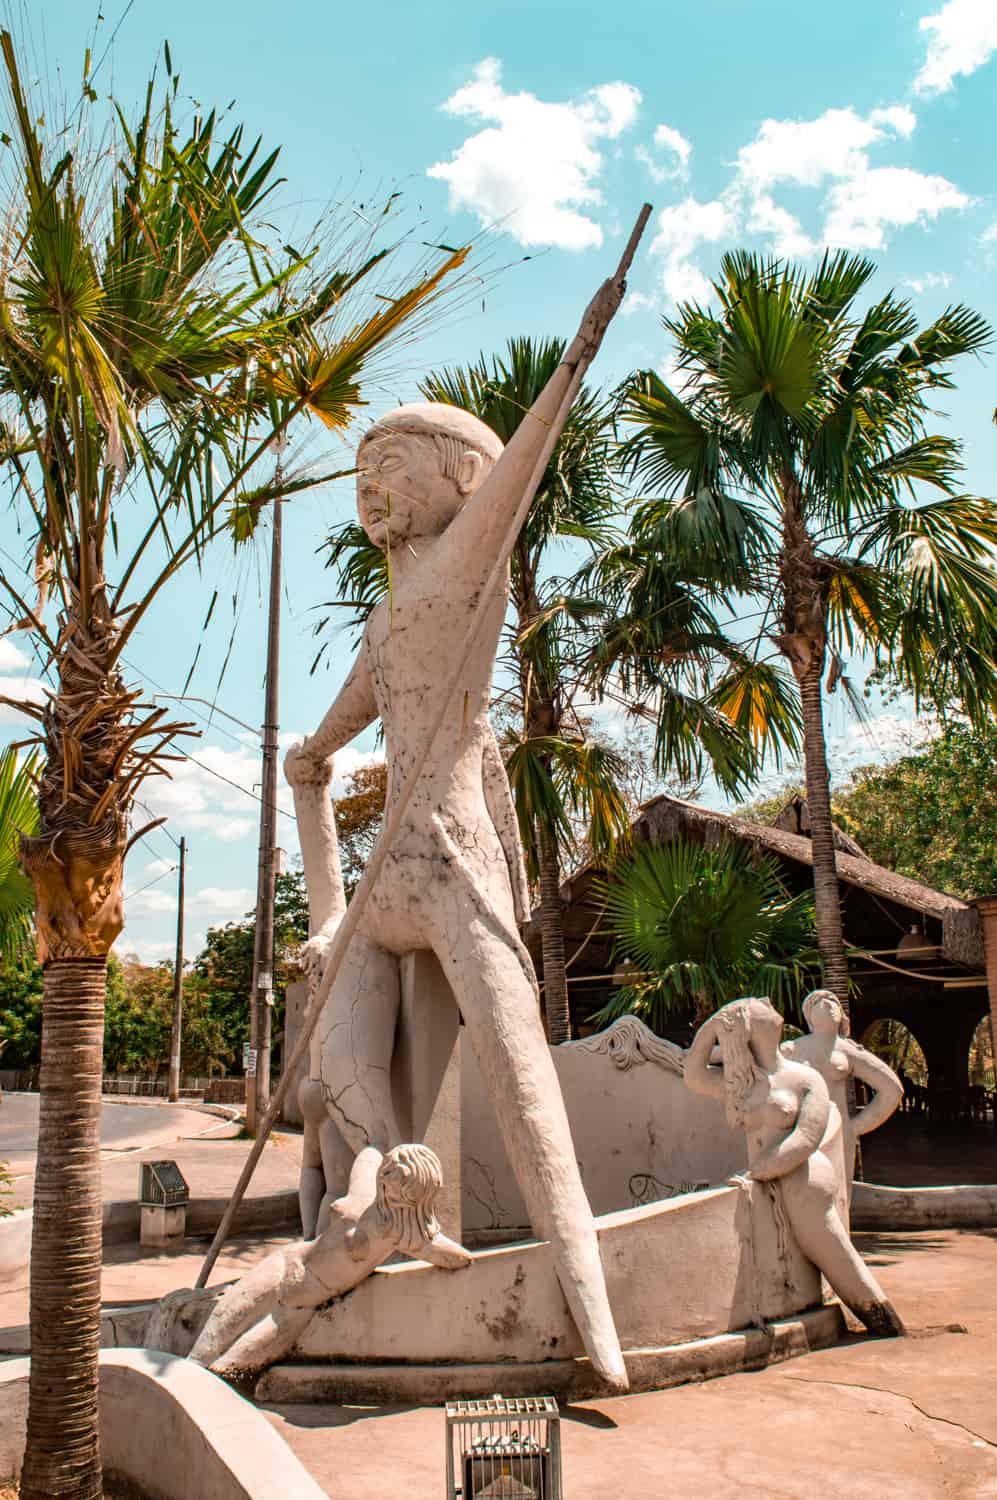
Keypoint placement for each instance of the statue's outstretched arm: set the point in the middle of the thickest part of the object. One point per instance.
(698, 1072)
(879, 1077)
(474, 538)
(502, 811)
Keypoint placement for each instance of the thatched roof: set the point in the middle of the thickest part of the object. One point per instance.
(665, 818)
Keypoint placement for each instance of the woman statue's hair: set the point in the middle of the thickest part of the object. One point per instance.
(740, 1071)
(408, 1181)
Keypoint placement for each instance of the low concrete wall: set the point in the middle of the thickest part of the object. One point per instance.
(640, 1135)
(265, 1211)
(973, 1206)
(173, 1429)
(15, 1246)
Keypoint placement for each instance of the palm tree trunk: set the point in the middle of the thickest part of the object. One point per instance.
(827, 901)
(555, 978)
(62, 1459)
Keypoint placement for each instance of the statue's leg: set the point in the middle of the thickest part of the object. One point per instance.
(492, 978)
(311, 1181)
(356, 1037)
(809, 1196)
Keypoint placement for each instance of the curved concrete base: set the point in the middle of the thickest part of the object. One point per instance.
(973, 1206)
(569, 1379)
(171, 1428)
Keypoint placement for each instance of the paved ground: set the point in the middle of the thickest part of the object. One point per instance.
(203, 1145)
(912, 1419)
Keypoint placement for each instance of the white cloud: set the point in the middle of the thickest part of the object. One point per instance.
(784, 231)
(807, 152)
(12, 658)
(153, 902)
(989, 234)
(676, 150)
(860, 210)
(534, 166)
(929, 282)
(962, 36)
(213, 900)
(682, 228)
(149, 951)
(17, 682)
(159, 867)
(215, 793)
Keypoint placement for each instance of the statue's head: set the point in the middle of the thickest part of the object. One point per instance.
(823, 1014)
(417, 466)
(741, 1022)
(408, 1181)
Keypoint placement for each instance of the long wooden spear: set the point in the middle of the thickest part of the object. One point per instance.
(355, 909)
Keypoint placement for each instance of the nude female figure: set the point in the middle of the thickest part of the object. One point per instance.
(837, 1058)
(784, 1109)
(437, 492)
(390, 1206)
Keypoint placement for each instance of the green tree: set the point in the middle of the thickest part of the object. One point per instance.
(933, 815)
(21, 1014)
(700, 926)
(18, 818)
(359, 814)
(158, 338)
(796, 456)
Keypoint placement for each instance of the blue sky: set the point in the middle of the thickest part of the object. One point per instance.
(539, 128)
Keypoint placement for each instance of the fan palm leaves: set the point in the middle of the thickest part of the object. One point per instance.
(796, 466)
(159, 342)
(698, 926)
(18, 816)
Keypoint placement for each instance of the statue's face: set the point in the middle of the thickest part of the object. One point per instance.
(763, 1017)
(824, 1015)
(402, 492)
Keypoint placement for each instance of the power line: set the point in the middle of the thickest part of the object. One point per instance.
(129, 894)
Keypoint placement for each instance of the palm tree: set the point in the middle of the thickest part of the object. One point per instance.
(798, 450)
(699, 926)
(18, 817)
(156, 345)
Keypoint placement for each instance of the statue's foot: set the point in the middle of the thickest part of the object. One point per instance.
(881, 1318)
(444, 1252)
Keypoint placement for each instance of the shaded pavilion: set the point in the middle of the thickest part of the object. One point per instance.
(924, 954)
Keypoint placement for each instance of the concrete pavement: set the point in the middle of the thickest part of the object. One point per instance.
(910, 1419)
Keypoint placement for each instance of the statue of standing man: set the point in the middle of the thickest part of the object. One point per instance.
(438, 493)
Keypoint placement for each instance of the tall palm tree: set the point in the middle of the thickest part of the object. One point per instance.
(799, 449)
(18, 818)
(699, 926)
(156, 343)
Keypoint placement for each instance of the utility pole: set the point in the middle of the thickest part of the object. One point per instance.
(175, 1039)
(261, 1018)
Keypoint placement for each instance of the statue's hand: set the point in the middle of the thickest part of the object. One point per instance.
(303, 767)
(314, 955)
(598, 316)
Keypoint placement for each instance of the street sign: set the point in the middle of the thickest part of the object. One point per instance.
(249, 1061)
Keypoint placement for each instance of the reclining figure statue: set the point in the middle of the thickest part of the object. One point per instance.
(389, 1207)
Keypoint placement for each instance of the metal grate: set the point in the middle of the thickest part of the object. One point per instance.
(504, 1449)
(161, 1184)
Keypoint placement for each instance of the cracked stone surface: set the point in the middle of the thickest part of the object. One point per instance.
(901, 1419)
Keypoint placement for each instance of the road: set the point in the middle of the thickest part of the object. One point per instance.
(124, 1127)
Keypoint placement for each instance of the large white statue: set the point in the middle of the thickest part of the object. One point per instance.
(785, 1111)
(837, 1058)
(437, 492)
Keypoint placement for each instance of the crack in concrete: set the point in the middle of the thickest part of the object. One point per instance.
(882, 1390)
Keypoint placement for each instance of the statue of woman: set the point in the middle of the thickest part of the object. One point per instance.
(837, 1058)
(784, 1108)
(389, 1207)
